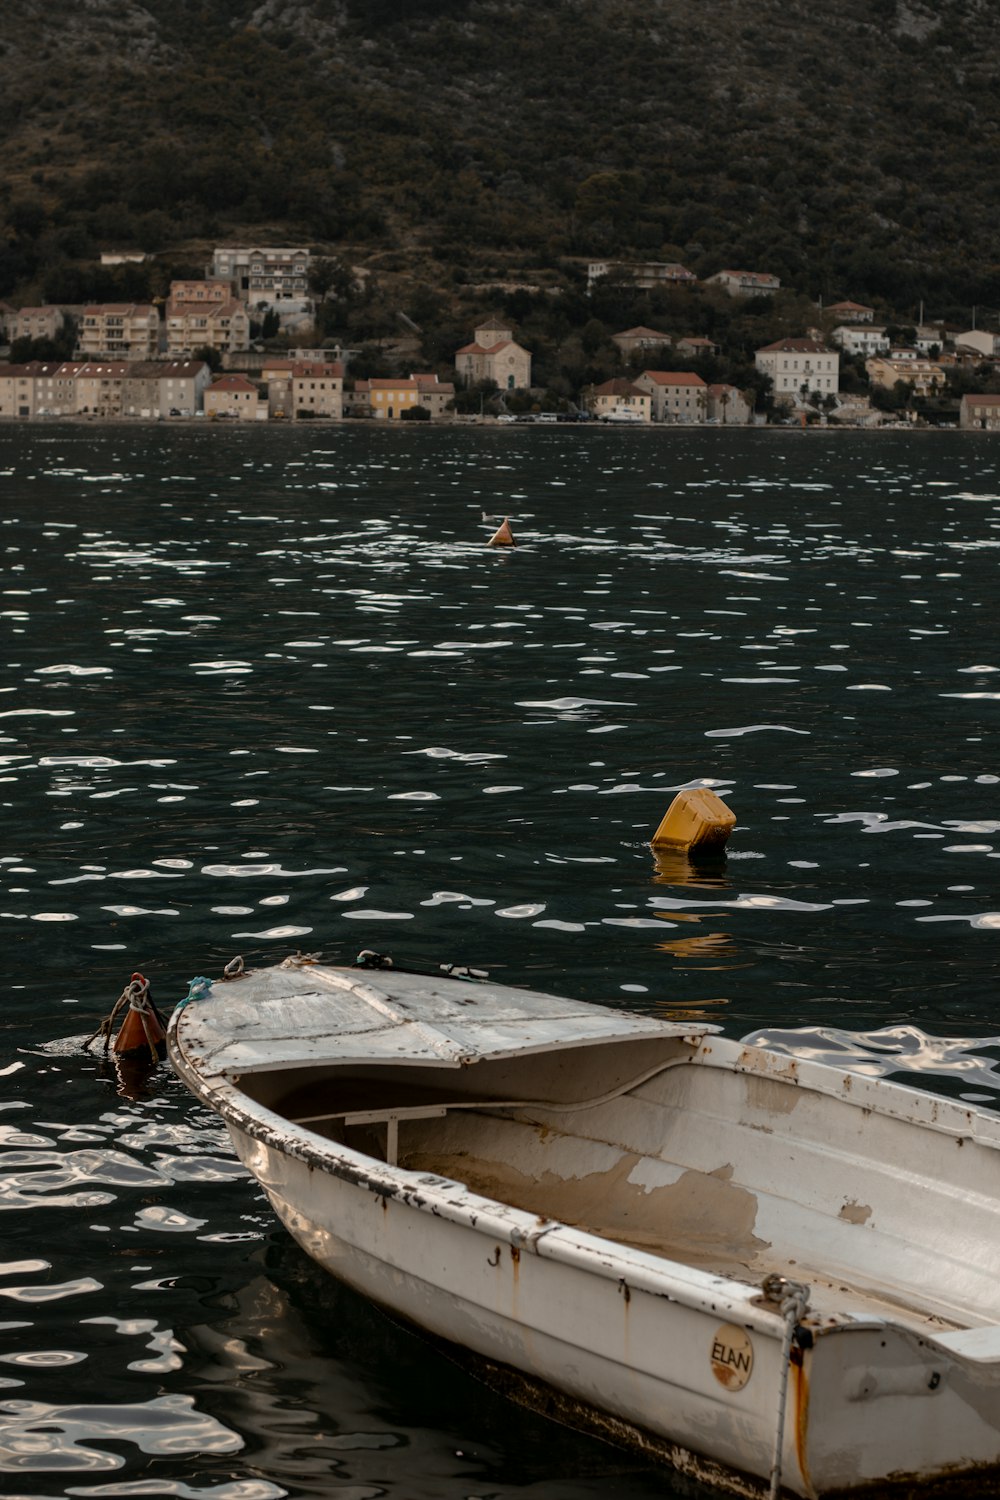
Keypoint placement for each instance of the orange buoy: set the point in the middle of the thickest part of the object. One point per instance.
(143, 1029)
(503, 536)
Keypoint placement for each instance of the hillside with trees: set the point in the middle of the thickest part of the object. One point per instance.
(850, 149)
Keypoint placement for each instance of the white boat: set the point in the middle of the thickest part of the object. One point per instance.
(774, 1274)
(627, 414)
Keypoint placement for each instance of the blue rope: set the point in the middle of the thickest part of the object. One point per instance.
(198, 989)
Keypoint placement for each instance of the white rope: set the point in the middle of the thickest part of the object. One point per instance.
(791, 1299)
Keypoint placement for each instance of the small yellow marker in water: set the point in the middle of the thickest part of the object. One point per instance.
(503, 536)
(696, 820)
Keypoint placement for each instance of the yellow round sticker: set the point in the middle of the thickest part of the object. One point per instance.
(732, 1356)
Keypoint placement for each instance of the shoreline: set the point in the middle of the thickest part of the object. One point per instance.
(480, 424)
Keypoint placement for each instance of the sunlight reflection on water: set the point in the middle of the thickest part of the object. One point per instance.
(264, 688)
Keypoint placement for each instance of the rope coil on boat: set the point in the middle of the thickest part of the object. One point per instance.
(197, 990)
(790, 1299)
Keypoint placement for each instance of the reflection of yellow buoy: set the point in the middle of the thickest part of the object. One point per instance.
(503, 536)
(696, 820)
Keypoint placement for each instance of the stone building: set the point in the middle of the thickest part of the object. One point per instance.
(494, 355)
(676, 395)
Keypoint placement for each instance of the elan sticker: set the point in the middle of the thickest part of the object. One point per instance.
(732, 1357)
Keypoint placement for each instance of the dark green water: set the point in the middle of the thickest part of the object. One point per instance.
(270, 690)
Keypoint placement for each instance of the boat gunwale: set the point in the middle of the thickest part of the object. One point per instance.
(720, 1297)
(673, 1279)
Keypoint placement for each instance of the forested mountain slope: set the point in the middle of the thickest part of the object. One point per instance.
(850, 148)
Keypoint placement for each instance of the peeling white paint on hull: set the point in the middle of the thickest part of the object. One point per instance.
(596, 1204)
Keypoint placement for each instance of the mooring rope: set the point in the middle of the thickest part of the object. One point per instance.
(197, 990)
(136, 996)
(369, 959)
(791, 1299)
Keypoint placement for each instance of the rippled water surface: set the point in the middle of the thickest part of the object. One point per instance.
(271, 690)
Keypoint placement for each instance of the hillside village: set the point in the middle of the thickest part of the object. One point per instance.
(249, 341)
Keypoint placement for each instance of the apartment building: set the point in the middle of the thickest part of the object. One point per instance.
(926, 376)
(641, 273)
(99, 387)
(165, 388)
(119, 330)
(263, 275)
(205, 315)
(17, 389)
(745, 283)
(57, 391)
(34, 323)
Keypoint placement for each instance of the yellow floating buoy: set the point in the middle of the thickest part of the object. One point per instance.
(503, 536)
(696, 820)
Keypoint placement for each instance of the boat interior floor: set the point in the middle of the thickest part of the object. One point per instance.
(719, 1244)
(729, 1214)
(738, 1178)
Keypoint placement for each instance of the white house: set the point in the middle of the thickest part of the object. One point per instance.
(745, 283)
(799, 369)
(977, 341)
(851, 312)
(861, 338)
(644, 273)
(263, 275)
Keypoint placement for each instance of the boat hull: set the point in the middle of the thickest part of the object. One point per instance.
(414, 1135)
(476, 1280)
(564, 1311)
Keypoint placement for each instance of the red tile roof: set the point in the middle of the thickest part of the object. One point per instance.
(643, 333)
(315, 370)
(673, 377)
(795, 346)
(232, 383)
(619, 387)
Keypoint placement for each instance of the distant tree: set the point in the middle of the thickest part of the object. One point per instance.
(27, 217)
(481, 396)
(892, 399)
(211, 356)
(370, 363)
(592, 336)
(330, 274)
(58, 348)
